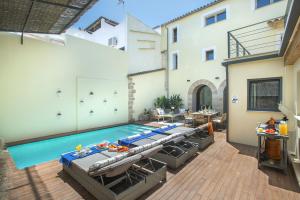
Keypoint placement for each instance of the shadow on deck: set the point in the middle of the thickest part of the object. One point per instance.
(223, 170)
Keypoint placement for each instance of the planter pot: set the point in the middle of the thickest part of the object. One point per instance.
(144, 117)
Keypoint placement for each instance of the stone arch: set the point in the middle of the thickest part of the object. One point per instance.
(193, 90)
(221, 95)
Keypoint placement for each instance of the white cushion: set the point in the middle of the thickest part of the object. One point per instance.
(181, 110)
(107, 161)
(160, 111)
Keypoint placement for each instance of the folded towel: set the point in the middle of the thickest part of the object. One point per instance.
(146, 132)
(163, 129)
(133, 136)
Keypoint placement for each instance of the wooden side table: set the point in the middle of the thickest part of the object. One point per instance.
(283, 163)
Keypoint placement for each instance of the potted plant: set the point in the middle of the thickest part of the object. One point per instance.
(162, 102)
(146, 115)
(176, 102)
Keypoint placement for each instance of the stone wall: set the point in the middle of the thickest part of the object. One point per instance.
(143, 88)
(131, 92)
(3, 169)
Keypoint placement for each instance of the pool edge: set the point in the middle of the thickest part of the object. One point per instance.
(9, 144)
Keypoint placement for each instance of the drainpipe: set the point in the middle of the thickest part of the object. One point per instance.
(167, 67)
(228, 102)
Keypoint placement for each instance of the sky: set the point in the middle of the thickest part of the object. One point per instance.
(151, 12)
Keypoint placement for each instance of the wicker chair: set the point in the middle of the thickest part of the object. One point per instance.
(199, 120)
(220, 122)
(188, 119)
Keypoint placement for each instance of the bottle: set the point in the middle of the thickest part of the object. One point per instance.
(283, 128)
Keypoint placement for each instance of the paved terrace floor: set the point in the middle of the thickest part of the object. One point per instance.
(223, 171)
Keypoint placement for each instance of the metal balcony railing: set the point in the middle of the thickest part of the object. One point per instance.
(259, 38)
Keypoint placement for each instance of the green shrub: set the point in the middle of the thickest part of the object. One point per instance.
(166, 103)
(176, 101)
(162, 102)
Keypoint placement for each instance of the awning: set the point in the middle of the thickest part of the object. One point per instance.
(41, 16)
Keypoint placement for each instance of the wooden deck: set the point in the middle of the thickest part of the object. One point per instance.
(223, 171)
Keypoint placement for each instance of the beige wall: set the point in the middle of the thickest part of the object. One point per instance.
(296, 103)
(242, 123)
(193, 38)
(147, 88)
(297, 87)
(31, 74)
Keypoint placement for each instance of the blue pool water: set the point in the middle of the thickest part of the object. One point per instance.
(34, 153)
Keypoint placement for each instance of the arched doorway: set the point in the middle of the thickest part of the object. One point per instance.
(206, 93)
(203, 97)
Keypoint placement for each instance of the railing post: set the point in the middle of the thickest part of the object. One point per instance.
(229, 44)
(237, 49)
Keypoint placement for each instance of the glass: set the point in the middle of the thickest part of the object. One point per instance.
(283, 128)
(264, 94)
(261, 3)
(210, 55)
(210, 20)
(221, 16)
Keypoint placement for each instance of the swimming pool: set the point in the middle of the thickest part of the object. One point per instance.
(26, 155)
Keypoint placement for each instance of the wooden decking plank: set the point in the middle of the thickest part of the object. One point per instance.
(223, 171)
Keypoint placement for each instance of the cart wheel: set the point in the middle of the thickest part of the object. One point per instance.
(259, 166)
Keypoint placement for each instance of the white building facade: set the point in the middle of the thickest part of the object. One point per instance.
(141, 42)
(195, 46)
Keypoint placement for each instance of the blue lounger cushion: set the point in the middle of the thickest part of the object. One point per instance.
(163, 130)
(130, 141)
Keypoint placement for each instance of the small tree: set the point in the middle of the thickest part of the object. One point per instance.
(176, 101)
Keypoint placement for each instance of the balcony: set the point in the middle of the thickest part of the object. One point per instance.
(261, 38)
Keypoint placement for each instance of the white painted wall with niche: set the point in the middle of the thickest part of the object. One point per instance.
(32, 74)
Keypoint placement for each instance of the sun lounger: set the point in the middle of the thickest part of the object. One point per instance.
(124, 178)
(187, 131)
(176, 152)
(176, 149)
(195, 135)
(201, 138)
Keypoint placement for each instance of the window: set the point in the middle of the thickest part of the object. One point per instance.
(209, 55)
(262, 3)
(175, 61)
(210, 20)
(113, 41)
(174, 35)
(219, 16)
(264, 94)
